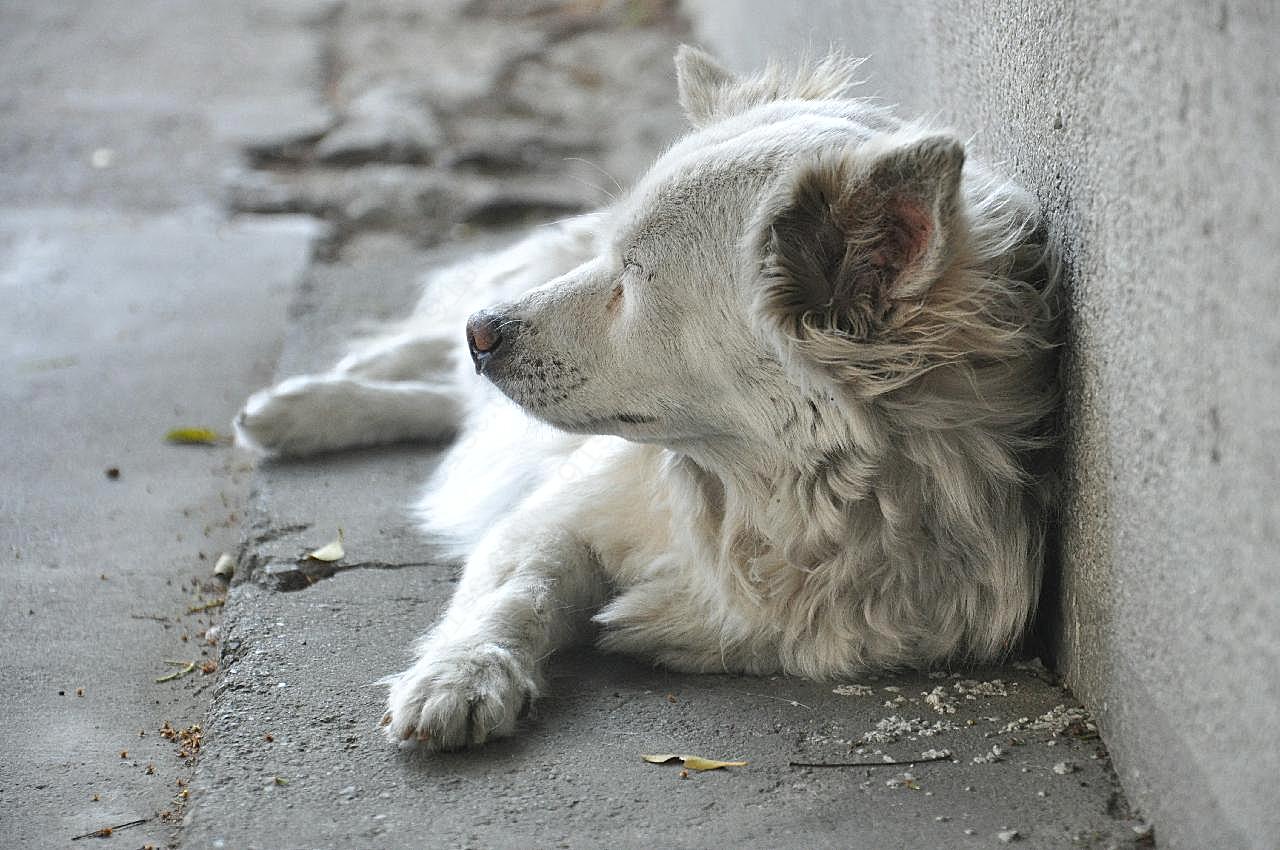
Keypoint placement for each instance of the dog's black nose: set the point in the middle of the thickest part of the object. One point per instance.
(484, 338)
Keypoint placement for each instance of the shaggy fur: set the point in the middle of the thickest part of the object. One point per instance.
(787, 397)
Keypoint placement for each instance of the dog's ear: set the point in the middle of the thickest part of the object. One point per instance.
(700, 80)
(849, 233)
(709, 92)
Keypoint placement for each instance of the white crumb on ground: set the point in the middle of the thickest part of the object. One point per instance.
(907, 779)
(996, 754)
(853, 690)
(972, 689)
(940, 701)
(1056, 721)
(894, 728)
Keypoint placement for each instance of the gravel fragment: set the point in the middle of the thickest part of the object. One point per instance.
(894, 728)
(996, 754)
(1057, 721)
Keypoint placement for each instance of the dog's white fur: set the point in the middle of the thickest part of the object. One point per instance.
(790, 390)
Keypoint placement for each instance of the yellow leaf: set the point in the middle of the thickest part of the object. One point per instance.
(692, 762)
(698, 763)
(331, 551)
(195, 436)
(661, 759)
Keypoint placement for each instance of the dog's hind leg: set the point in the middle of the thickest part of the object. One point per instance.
(318, 413)
(403, 357)
(388, 389)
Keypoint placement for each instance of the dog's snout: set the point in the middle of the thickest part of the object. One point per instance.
(485, 337)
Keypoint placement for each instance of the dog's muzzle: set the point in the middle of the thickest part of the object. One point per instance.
(487, 337)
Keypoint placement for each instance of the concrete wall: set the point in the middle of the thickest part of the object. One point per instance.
(1149, 130)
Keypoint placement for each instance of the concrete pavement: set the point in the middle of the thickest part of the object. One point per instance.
(131, 305)
(139, 306)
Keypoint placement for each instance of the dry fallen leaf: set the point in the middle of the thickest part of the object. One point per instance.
(331, 551)
(692, 762)
(187, 667)
(225, 567)
(195, 437)
(208, 606)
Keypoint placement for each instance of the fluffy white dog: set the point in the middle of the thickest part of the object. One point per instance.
(793, 384)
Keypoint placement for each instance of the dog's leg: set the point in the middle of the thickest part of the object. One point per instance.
(402, 386)
(527, 590)
(383, 391)
(317, 413)
(403, 357)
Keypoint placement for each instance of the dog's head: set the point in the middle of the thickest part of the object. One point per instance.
(792, 250)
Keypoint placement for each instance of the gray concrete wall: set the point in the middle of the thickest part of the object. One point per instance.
(1148, 130)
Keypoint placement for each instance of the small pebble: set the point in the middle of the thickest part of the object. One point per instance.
(1008, 836)
(225, 566)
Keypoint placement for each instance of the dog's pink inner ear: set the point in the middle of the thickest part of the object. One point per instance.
(908, 229)
(853, 231)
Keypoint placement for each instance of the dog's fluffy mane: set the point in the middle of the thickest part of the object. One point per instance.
(902, 519)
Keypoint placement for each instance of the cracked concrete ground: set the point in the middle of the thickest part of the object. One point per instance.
(131, 305)
(522, 106)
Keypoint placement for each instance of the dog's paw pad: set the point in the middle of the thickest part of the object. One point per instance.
(460, 698)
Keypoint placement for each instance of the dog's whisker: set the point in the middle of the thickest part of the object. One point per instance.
(602, 170)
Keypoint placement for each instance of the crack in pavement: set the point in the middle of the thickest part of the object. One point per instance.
(292, 576)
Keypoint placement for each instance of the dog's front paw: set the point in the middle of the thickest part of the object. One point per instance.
(289, 418)
(458, 697)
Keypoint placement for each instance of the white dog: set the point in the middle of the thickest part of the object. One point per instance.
(793, 384)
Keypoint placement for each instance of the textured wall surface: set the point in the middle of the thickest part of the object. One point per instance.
(1148, 131)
